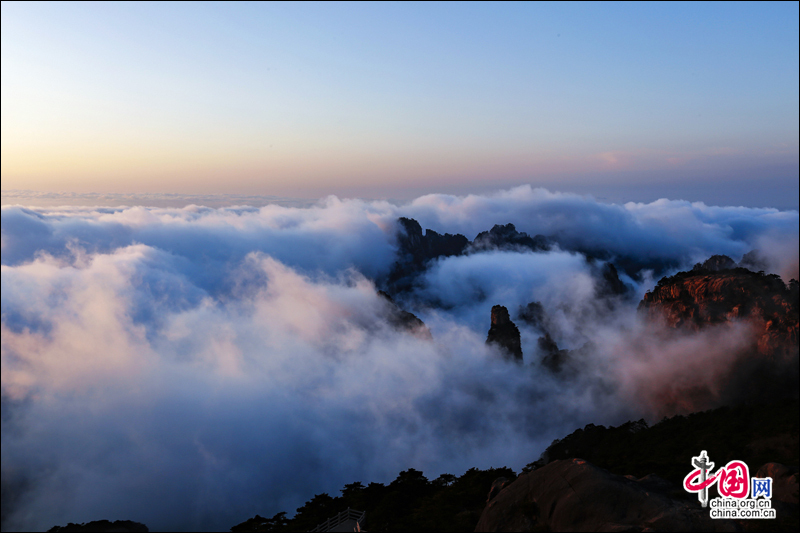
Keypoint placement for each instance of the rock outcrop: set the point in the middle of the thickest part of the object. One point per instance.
(533, 314)
(575, 495)
(759, 309)
(416, 250)
(709, 295)
(754, 260)
(609, 283)
(558, 361)
(552, 358)
(505, 334)
(508, 238)
(429, 246)
(715, 263)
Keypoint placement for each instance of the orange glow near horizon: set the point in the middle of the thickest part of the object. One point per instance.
(127, 167)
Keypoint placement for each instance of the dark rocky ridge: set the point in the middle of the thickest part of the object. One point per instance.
(416, 250)
(505, 334)
(422, 248)
(508, 238)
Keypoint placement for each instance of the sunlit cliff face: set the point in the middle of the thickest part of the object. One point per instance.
(181, 367)
(753, 319)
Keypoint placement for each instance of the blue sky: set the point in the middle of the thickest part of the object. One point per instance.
(635, 101)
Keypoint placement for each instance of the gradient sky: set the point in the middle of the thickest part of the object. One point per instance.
(697, 101)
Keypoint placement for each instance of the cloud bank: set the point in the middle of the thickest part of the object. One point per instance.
(191, 367)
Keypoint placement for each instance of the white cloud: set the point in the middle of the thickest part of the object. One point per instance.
(183, 366)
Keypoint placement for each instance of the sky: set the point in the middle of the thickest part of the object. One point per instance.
(627, 102)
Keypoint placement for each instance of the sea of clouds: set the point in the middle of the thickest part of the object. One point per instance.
(191, 367)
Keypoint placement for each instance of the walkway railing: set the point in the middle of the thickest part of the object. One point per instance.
(331, 523)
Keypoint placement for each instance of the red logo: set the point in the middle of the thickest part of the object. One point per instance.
(733, 480)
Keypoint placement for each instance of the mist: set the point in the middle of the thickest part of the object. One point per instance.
(190, 367)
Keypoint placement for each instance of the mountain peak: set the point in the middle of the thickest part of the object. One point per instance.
(504, 333)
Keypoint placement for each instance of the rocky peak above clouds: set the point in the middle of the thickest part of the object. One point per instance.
(505, 334)
(431, 245)
(759, 309)
(707, 295)
(715, 263)
(416, 250)
(506, 237)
